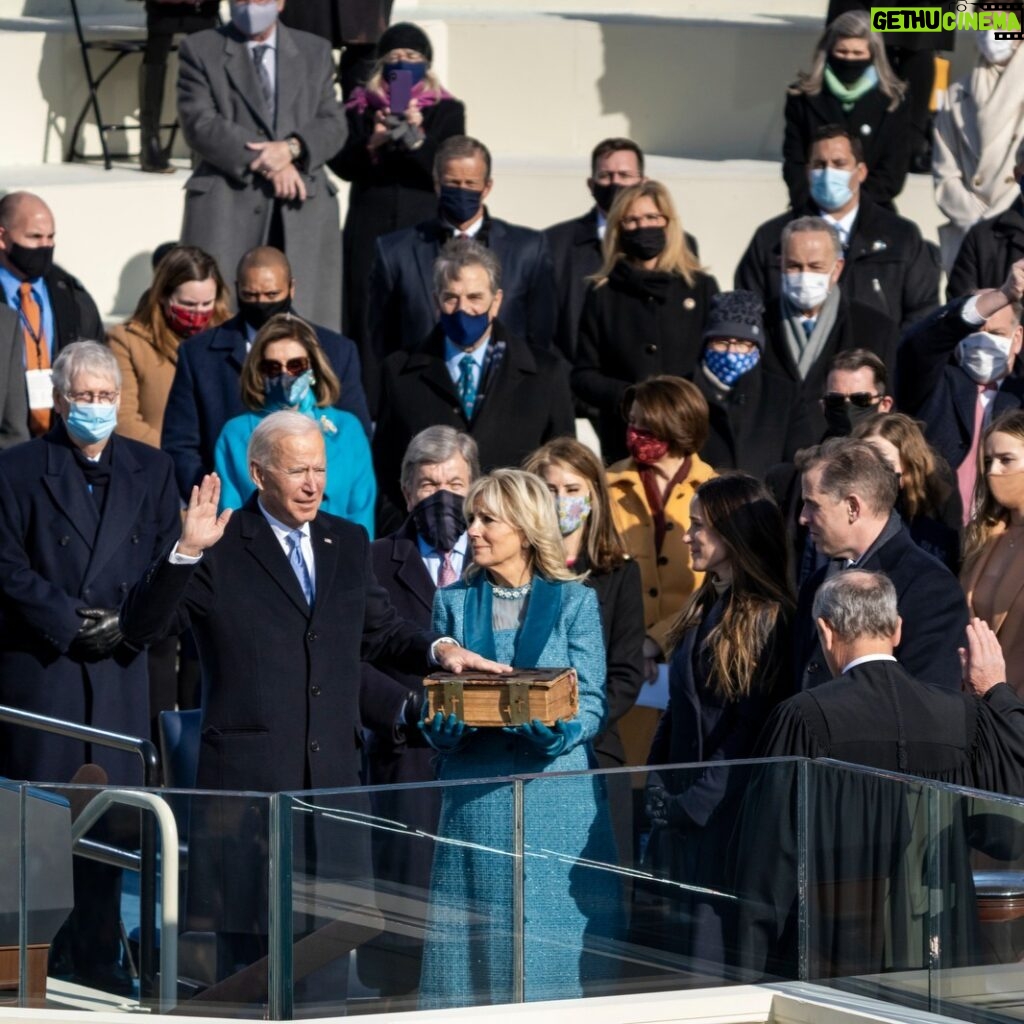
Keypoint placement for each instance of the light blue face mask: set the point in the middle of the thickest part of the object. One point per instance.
(830, 187)
(91, 424)
(288, 391)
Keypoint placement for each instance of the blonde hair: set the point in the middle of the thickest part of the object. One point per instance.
(676, 257)
(522, 500)
(851, 25)
(987, 515)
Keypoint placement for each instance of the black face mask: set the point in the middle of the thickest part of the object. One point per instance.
(439, 519)
(256, 314)
(642, 243)
(842, 420)
(848, 71)
(30, 263)
(604, 195)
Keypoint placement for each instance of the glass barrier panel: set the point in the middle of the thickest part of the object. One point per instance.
(404, 897)
(208, 920)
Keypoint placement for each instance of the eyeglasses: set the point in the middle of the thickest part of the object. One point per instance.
(618, 177)
(741, 345)
(92, 397)
(275, 368)
(645, 220)
(861, 399)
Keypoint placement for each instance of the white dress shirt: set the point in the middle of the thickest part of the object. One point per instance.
(864, 659)
(432, 558)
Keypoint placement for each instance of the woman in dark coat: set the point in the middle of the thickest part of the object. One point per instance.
(643, 314)
(729, 668)
(389, 158)
(851, 83)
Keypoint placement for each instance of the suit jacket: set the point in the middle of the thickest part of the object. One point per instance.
(988, 251)
(884, 133)
(931, 605)
(205, 394)
(13, 395)
(856, 326)
(888, 264)
(576, 254)
(526, 402)
(59, 553)
(403, 311)
(341, 21)
(937, 391)
(281, 686)
(228, 208)
(758, 422)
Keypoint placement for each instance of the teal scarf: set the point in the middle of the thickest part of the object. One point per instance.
(849, 94)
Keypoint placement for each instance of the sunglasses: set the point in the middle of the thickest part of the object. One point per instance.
(274, 368)
(861, 399)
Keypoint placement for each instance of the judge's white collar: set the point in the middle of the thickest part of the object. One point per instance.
(866, 658)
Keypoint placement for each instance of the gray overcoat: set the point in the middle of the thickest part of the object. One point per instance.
(228, 208)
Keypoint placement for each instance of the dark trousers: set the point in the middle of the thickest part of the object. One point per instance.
(917, 69)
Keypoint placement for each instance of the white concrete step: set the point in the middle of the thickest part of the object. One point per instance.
(109, 223)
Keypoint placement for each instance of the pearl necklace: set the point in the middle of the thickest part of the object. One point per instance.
(511, 593)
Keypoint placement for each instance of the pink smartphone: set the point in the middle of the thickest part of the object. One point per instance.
(400, 90)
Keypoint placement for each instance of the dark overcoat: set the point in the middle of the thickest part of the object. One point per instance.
(987, 252)
(637, 325)
(931, 605)
(888, 265)
(885, 135)
(340, 21)
(58, 553)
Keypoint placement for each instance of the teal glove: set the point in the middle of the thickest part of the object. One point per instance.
(445, 734)
(550, 742)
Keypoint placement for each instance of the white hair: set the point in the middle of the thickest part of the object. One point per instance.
(84, 357)
(271, 430)
(858, 604)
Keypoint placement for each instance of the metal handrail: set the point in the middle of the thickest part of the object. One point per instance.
(146, 749)
(92, 813)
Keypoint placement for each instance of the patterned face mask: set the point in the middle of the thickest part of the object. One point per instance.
(728, 367)
(572, 511)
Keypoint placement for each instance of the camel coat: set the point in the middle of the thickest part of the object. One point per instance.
(146, 378)
(667, 579)
(994, 585)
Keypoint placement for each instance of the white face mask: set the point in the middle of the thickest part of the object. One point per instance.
(806, 290)
(984, 357)
(995, 51)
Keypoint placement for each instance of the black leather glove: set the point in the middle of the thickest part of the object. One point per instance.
(664, 808)
(100, 633)
(413, 710)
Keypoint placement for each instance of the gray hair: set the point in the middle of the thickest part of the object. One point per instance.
(858, 604)
(802, 224)
(272, 429)
(460, 253)
(84, 357)
(438, 444)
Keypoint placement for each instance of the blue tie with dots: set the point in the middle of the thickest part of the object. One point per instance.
(467, 385)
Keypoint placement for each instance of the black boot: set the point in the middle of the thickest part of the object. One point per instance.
(152, 155)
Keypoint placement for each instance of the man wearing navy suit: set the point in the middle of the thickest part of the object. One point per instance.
(402, 311)
(205, 393)
(82, 515)
(284, 605)
(955, 372)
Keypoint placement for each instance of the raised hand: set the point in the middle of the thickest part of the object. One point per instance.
(983, 662)
(202, 526)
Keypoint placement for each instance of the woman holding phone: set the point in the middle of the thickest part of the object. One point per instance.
(395, 124)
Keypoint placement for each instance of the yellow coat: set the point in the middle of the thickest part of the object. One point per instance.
(146, 378)
(668, 580)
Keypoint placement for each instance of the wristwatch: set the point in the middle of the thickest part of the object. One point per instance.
(294, 148)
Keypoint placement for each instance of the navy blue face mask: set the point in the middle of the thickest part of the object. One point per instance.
(459, 205)
(465, 329)
(416, 68)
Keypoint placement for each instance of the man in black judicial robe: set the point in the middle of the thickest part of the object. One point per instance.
(868, 847)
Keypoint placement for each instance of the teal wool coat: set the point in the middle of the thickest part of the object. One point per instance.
(569, 908)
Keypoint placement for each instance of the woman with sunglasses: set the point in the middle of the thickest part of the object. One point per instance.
(644, 311)
(287, 369)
